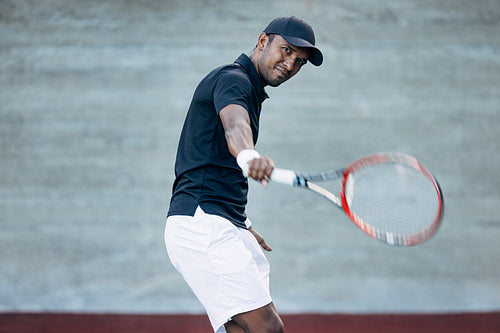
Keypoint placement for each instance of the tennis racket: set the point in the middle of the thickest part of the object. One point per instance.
(390, 196)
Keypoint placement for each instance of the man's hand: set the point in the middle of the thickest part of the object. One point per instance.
(260, 169)
(260, 239)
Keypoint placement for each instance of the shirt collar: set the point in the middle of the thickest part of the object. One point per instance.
(247, 64)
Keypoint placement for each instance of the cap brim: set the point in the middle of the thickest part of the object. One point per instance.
(315, 56)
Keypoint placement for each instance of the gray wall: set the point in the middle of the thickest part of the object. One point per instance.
(92, 98)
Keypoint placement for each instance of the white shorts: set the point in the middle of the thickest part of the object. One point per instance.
(223, 264)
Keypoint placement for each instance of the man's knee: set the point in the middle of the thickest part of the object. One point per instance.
(275, 325)
(272, 323)
(263, 320)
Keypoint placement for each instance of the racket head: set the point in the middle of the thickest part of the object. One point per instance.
(392, 198)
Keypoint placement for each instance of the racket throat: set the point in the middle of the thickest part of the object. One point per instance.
(300, 181)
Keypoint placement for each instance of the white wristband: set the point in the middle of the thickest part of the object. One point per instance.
(245, 156)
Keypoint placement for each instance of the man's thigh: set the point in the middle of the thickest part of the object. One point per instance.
(226, 274)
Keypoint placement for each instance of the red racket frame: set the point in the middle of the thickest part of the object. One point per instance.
(388, 237)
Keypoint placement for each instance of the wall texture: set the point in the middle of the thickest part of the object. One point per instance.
(92, 99)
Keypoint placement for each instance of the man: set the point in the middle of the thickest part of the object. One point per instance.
(208, 236)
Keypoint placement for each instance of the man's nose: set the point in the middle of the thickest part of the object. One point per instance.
(288, 63)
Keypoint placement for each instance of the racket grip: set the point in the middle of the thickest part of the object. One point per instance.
(283, 176)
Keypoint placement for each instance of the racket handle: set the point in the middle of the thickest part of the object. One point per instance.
(283, 176)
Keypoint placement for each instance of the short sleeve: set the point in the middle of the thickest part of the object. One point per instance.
(231, 87)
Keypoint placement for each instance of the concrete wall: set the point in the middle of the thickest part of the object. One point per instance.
(92, 98)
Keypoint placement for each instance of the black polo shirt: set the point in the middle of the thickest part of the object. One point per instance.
(206, 173)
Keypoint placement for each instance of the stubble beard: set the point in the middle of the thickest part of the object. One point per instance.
(266, 74)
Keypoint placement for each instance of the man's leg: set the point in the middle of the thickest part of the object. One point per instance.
(234, 265)
(232, 327)
(262, 320)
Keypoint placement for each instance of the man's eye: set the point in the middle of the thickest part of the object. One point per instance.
(286, 49)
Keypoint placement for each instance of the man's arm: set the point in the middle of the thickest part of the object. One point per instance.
(239, 137)
(237, 129)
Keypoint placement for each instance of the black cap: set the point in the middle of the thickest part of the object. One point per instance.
(298, 33)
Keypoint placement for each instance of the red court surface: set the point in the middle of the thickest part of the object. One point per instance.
(300, 323)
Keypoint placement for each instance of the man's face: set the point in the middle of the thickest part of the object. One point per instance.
(279, 61)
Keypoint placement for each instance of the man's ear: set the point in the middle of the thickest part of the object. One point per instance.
(262, 41)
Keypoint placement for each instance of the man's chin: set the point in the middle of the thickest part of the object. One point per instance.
(276, 82)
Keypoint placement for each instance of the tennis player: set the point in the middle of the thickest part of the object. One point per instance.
(208, 236)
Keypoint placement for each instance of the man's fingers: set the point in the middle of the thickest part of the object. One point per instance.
(260, 239)
(264, 245)
(260, 169)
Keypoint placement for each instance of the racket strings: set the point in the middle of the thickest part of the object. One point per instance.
(392, 198)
